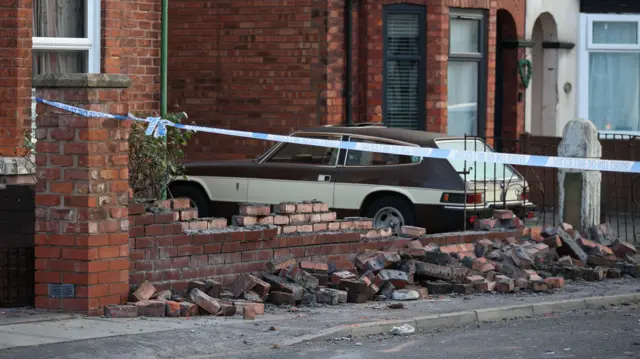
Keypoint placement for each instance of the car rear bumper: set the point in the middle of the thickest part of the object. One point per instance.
(520, 209)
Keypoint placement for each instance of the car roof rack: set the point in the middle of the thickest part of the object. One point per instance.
(359, 124)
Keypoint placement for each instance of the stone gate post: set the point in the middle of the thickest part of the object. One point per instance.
(579, 191)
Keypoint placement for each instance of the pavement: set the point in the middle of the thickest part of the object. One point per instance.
(22, 335)
(585, 334)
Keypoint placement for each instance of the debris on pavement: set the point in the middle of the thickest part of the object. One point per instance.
(403, 330)
(541, 260)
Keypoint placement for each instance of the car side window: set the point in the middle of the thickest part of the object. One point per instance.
(363, 158)
(304, 154)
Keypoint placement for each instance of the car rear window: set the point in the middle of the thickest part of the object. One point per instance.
(477, 171)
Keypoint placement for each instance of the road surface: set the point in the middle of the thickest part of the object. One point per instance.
(600, 334)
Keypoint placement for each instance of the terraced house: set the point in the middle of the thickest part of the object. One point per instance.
(270, 66)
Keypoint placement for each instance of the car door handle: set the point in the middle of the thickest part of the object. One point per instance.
(324, 178)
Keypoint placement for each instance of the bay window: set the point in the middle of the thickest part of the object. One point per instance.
(66, 36)
(609, 71)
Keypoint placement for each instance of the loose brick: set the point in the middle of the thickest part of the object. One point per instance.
(623, 249)
(204, 301)
(439, 287)
(253, 209)
(565, 261)
(398, 278)
(502, 214)
(244, 220)
(151, 308)
(120, 311)
(285, 208)
(320, 207)
(144, 291)
(505, 285)
(314, 267)
(282, 298)
(258, 308)
(304, 207)
(434, 271)
(197, 284)
(282, 262)
(554, 282)
(411, 231)
(214, 288)
(570, 247)
(486, 286)
(337, 277)
(172, 309)
(281, 284)
(553, 242)
(188, 309)
(539, 286)
(461, 288)
(227, 309)
(245, 282)
(474, 279)
(162, 295)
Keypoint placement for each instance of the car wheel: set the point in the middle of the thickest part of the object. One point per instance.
(391, 211)
(199, 199)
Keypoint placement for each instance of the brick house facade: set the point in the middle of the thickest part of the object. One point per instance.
(241, 65)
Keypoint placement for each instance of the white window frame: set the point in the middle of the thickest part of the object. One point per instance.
(91, 43)
(586, 46)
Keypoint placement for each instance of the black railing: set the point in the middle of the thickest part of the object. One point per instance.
(620, 192)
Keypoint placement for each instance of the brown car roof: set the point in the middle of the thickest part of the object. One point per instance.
(420, 138)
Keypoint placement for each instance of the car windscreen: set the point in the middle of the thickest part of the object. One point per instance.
(477, 171)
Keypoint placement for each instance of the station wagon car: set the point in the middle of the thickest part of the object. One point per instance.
(395, 190)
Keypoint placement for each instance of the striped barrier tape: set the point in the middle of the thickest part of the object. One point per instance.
(157, 127)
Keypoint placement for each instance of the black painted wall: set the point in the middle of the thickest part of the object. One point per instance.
(610, 6)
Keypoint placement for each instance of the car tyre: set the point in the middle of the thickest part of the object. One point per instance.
(391, 206)
(197, 196)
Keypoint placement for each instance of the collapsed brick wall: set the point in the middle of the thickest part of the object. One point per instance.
(170, 247)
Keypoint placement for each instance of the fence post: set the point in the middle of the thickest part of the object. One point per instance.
(82, 234)
(579, 191)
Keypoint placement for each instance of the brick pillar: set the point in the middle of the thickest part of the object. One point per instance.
(81, 242)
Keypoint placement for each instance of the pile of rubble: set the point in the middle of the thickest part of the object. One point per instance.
(539, 261)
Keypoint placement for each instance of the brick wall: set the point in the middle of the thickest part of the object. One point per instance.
(248, 65)
(169, 248)
(131, 46)
(15, 74)
(254, 66)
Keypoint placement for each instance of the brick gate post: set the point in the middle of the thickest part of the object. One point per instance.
(81, 242)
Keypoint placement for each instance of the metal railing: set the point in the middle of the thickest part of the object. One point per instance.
(620, 192)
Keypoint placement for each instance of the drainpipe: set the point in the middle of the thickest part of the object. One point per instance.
(348, 28)
(164, 44)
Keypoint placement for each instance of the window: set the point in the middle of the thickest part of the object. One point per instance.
(66, 36)
(364, 158)
(466, 75)
(477, 171)
(404, 66)
(609, 88)
(294, 153)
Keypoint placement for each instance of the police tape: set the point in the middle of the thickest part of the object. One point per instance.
(157, 127)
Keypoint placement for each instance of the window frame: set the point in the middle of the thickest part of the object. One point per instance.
(264, 159)
(382, 141)
(481, 58)
(586, 46)
(91, 43)
(421, 10)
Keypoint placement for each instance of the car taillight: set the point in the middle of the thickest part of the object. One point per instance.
(473, 219)
(474, 197)
(524, 196)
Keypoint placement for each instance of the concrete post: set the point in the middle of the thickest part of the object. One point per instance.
(579, 191)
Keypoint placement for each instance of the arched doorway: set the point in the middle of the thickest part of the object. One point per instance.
(506, 94)
(544, 83)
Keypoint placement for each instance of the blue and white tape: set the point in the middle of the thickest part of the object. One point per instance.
(158, 128)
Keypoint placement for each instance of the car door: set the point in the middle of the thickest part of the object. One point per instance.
(295, 172)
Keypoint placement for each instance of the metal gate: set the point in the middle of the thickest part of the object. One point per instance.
(17, 227)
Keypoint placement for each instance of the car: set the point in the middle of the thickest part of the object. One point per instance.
(395, 190)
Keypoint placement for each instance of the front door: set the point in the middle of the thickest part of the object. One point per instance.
(295, 172)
